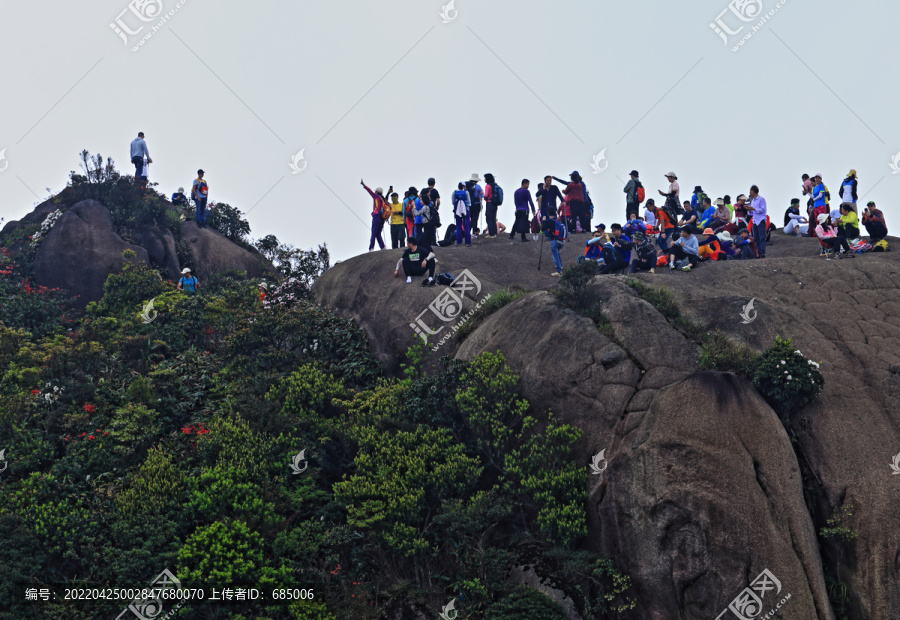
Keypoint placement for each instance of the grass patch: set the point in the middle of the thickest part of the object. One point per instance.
(574, 293)
(663, 299)
(498, 299)
(719, 352)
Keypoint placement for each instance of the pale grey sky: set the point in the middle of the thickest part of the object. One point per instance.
(388, 92)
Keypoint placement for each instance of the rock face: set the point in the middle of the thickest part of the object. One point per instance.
(80, 251)
(213, 253)
(703, 489)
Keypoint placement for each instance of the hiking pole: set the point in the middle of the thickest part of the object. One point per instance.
(541, 251)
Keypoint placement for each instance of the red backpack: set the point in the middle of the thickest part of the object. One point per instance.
(639, 192)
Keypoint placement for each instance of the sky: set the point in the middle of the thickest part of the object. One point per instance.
(396, 92)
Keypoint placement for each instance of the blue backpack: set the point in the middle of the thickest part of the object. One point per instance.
(558, 232)
(497, 195)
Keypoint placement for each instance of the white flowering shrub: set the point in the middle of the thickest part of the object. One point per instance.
(49, 395)
(46, 225)
(786, 379)
(285, 294)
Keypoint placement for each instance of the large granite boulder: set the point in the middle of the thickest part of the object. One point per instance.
(213, 253)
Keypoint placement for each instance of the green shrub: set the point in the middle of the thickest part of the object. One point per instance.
(225, 553)
(133, 428)
(573, 284)
(497, 300)
(787, 380)
(719, 352)
(126, 292)
(225, 492)
(158, 485)
(525, 602)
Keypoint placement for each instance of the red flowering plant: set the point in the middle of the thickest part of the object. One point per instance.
(34, 308)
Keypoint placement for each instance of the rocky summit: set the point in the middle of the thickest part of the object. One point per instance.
(703, 492)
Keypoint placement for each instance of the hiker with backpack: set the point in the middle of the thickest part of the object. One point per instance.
(493, 198)
(200, 194)
(873, 220)
(138, 152)
(379, 206)
(476, 196)
(409, 211)
(462, 213)
(697, 199)
(188, 283)
(613, 262)
(634, 194)
(398, 224)
(849, 188)
(417, 260)
(426, 211)
(645, 254)
(557, 233)
(522, 199)
(576, 194)
(666, 227)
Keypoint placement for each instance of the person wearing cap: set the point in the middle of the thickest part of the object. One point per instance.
(179, 199)
(632, 204)
(673, 192)
(188, 283)
(795, 223)
(476, 195)
(200, 194)
(697, 198)
(827, 235)
(576, 196)
(873, 220)
(760, 223)
(849, 191)
(744, 246)
(645, 254)
(650, 213)
(138, 152)
(741, 211)
(417, 260)
(721, 216)
(820, 198)
(379, 206)
(622, 243)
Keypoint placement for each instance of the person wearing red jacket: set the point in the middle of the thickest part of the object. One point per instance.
(379, 204)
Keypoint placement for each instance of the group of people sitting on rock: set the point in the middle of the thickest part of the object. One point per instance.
(676, 234)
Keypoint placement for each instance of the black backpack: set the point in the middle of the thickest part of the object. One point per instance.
(434, 216)
(444, 279)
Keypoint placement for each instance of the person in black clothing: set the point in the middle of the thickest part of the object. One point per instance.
(416, 261)
(548, 196)
(645, 254)
(612, 259)
(794, 209)
(490, 207)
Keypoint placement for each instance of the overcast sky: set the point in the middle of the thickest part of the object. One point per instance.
(388, 92)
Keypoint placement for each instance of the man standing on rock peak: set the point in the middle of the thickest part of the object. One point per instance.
(200, 194)
(138, 152)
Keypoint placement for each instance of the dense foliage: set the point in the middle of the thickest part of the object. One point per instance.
(786, 379)
(136, 447)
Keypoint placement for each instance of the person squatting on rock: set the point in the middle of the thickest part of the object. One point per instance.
(416, 261)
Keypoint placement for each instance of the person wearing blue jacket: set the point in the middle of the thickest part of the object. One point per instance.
(462, 206)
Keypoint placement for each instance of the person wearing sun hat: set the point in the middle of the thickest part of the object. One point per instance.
(673, 192)
(188, 283)
(827, 235)
(263, 289)
(709, 247)
(849, 188)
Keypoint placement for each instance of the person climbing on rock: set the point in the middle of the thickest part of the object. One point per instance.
(200, 194)
(417, 260)
(188, 283)
(179, 199)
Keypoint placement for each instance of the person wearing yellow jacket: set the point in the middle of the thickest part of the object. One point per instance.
(398, 224)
